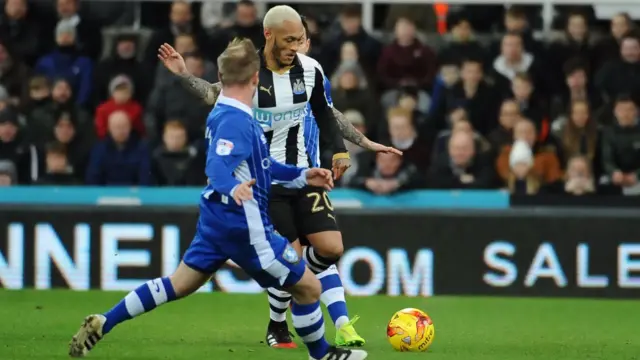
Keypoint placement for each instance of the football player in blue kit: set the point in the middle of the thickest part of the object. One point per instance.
(234, 222)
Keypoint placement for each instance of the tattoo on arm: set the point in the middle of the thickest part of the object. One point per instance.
(348, 131)
(203, 89)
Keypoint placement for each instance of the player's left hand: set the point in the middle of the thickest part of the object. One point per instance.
(374, 146)
(339, 167)
(320, 178)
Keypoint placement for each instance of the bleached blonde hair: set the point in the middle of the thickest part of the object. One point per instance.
(279, 14)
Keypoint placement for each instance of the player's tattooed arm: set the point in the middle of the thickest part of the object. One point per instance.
(352, 134)
(203, 89)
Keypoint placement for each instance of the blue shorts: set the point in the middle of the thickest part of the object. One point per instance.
(261, 252)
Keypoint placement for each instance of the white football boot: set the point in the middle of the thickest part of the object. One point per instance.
(343, 354)
(88, 336)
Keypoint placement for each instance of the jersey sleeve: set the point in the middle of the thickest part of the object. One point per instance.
(230, 145)
(330, 136)
(288, 176)
(327, 90)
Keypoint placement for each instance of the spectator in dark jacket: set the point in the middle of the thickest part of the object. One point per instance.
(174, 101)
(407, 61)
(175, 162)
(350, 91)
(68, 63)
(121, 61)
(351, 30)
(403, 135)
(19, 31)
(247, 25)
(622, 76)
(58, 170)
(13, 75)
(508, 116)
(461, 43)
(121, 89)
(513, 59)
(89, 39)
(120, 159)
(14, 148)
(620, 151)
(76, 145)
(462, 167)
(531, 105)
(609, 47)
(391, 174)
(516, 21)
(576, 87)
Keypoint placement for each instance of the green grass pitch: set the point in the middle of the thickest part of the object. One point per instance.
(39, 324)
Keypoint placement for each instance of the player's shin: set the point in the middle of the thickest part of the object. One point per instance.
(309, 325)
(145, 298)
(333, 296)
(279, 302)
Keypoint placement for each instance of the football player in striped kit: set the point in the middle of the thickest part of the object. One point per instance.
(289, 83)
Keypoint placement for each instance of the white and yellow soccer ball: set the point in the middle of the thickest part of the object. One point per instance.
(410, 330)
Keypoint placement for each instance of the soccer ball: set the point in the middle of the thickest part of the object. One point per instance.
(410, 330)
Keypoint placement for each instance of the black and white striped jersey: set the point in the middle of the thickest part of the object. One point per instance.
(280, 106)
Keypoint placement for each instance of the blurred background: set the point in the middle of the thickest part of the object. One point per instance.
(519, 125)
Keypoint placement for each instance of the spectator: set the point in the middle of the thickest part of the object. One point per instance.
(579, 133)
(462, 166)
(474, 94)
(461, 43)
(58, 169)
(174, 101)
(19, 31)
(531, 106)
(246, 25)
(175, 163)
(412, 100)
(404, 137)
(351, 92)
(546, 165)
(448, 76)
(577, 88)
(180, 23)
(121, 61)
(68, 63)
(503, 135)
(407, 61)
(622, 76)
(459, 122)
(360, 159)
(317, 49)
(14, 148)
(517, 22)
(8, 173)
(121, 89)
(4, 98)
(391, 174)
(609, 48)
(121, 158)
(522, 179)
(351, 30)
(513, 60)
(76, 146)
(89, 40)
(620, 151)
(42, 115)
(579, 180)
(12, 76)
(217, 15)
(574, 44)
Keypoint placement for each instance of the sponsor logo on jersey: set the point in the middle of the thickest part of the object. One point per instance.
(298, 87)
(267, 118)
(224, 147)
(290, 255)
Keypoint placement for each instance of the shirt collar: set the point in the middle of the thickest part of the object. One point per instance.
(234, 103)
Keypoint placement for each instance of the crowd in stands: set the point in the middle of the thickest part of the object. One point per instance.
(558, 116)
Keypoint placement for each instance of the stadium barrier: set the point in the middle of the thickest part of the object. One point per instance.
(462, 252)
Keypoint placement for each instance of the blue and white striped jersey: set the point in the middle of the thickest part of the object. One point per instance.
(311, 130)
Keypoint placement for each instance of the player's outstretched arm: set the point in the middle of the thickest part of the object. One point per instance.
(352, 134)
(174, 62)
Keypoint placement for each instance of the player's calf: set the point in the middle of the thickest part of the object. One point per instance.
(325, 250)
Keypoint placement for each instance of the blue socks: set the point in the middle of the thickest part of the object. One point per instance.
(309, 324)
(333, 296)
(145, 298)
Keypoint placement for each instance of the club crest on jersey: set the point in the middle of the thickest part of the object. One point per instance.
(298, 87)
(224, 147)
(290, 255)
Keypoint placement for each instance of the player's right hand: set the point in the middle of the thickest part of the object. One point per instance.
(171, 59)
(243, 192)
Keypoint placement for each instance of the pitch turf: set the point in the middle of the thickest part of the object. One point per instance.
(39, 324)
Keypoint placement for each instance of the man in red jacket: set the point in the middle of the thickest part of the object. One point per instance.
(121, 90)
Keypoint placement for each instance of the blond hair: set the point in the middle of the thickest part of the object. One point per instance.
(279, 14)
(238, 63)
